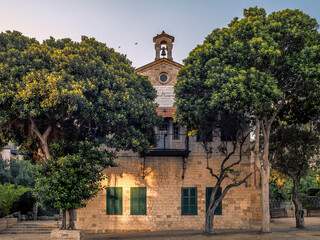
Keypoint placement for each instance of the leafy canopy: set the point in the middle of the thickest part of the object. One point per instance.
(76, 90)
(254, 65)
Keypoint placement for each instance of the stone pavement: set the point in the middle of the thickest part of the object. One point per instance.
(282, 228)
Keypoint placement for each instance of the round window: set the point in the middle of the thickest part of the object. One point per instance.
(163, 77)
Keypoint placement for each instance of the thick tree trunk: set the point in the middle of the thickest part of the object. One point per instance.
(209, 222)
(45, 149)
(71, 219)
(265, 223)
(43, 138)
(64, 220)
(265, 176)
(299, 214)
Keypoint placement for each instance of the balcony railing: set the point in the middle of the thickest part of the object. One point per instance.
(170, 145)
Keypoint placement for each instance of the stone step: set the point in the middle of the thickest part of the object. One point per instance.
(25, 232)
(31, 228)
(34, 226)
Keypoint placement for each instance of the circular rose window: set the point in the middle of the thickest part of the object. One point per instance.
(163, 77)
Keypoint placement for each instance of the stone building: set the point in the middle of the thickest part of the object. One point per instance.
(11, 151)
(168, 188)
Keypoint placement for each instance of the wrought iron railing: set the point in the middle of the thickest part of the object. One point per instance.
(277, 203)
(172, 141)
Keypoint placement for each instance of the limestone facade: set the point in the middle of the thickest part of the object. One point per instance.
(165, 176)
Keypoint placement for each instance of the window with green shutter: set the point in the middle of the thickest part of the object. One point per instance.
(209, 190)
(189, 201)
(138, 201)
(114, 201)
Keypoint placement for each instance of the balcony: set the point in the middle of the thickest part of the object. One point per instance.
(170, 145)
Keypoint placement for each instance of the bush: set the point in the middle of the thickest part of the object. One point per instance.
(8, 195)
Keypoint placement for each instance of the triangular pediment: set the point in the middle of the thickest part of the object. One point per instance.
(158, 63)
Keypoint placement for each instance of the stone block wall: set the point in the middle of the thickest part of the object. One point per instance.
(7, 222)
(163, 180)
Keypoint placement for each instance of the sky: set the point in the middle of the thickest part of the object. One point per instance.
(129, 26)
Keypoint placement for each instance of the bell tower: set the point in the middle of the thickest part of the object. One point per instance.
(163, 46)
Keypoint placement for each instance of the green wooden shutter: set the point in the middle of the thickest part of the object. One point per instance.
(189, 201)
(218, 210)
(138, 201)
(184, 201)
(114, 201)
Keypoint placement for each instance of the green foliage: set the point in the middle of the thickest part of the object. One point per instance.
(310, 180)
(69, 181)
(255, 64)
(281, 185)
(294, 149)
(8, 195)
(17, 172)
(82, 90)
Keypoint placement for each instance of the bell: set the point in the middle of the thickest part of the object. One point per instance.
(163, 52)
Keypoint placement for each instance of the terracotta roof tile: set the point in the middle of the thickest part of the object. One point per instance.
(166, 112)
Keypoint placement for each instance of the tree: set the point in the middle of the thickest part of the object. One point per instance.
(68, 182)
(16, 172)
(8, 195)
(294, 150)
(72, 92)
(62, 89)
(233, 131)
(257, 65)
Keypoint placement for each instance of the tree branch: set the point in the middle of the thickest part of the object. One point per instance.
(228, 156)
(212, 173)
(240, 153)
(43, 138)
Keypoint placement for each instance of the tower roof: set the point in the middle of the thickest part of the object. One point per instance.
(163, 34)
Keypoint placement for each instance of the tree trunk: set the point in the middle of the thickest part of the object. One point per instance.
(64, 220)
(35, 211)
(71, 219)
(209, 222)
(265, 176)
(45, 149)
(43, 138)
(299, 214)
(265, 223)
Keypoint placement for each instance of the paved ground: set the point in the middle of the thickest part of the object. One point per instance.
(281, 229)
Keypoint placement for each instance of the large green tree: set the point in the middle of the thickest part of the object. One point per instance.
(294, 150)
(73, 92)
(62, 89)
(259, 64)
(68, 181)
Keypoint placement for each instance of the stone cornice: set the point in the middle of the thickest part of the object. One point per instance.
(158, 62)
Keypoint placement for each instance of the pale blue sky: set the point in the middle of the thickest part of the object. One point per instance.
(125, 22)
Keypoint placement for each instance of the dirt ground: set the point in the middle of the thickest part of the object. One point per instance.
(282, 228)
